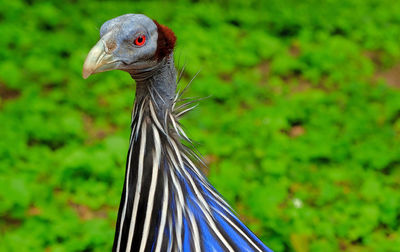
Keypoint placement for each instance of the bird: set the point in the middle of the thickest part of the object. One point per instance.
(167, 203)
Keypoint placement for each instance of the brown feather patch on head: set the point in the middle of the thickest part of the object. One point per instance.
(165, 42)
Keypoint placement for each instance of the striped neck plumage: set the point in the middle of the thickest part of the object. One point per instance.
(167, 204)
(155, 164)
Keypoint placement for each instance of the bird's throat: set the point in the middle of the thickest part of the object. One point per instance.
(159, 82)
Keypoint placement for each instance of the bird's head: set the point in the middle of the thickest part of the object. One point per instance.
(133, 43)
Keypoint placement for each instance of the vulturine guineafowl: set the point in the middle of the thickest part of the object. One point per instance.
(167, 204)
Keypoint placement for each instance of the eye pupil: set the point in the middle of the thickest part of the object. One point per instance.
(139, 41)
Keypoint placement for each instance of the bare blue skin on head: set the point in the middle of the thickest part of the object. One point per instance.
(116, 50)
(167, 204)
(119, 34)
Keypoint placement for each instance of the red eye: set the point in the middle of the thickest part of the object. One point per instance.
(139, 41)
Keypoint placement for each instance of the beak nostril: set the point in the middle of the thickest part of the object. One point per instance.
(110, 46)
(100, 59)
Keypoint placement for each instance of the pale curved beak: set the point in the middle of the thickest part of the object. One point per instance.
(99, 60)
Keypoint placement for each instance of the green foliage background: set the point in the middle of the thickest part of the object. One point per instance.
(301, 133)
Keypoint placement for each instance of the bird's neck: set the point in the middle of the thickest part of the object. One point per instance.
(167, 204)
(159, 82)
(149, 169)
